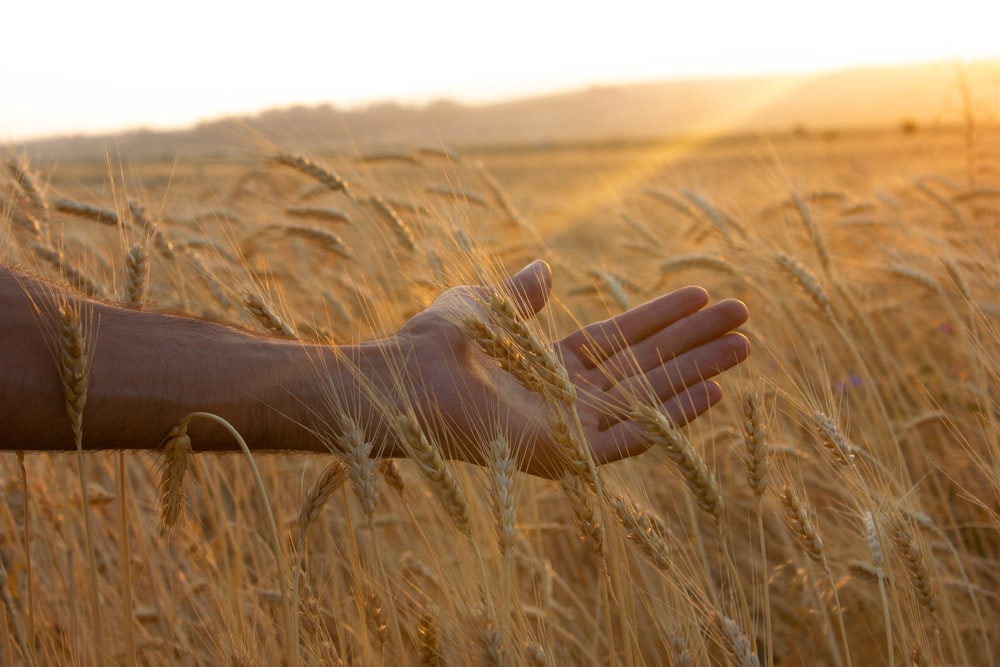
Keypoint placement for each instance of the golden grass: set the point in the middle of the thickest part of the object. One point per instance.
(856, 456)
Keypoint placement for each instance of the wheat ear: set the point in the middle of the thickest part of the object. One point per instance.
(361, 466)
(659, 429)
(581, 502)
(13, 617)
(319, 494)
(176, 461)
(399, 227)
(434, 469)
(807, 281)
(800, 525)
(755, 441)
(502, 466)
(261, 311)
(916, 564)
(878, 558)
(75, 358)
(321, 175)
(136, 276)
(427, 641)
(644, 530)
(86, 211)
(317, 213)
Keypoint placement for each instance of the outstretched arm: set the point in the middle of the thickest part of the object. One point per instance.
(148, 370)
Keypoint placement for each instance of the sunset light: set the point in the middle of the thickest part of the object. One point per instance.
(102, 66)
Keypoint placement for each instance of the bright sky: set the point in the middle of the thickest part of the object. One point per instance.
(100, 65)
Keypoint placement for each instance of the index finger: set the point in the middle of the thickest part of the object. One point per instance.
(596, 342)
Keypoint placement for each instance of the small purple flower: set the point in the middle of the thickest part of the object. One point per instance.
(945, 328)
(852, 381)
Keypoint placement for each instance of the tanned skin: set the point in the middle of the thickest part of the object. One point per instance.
(149, 370)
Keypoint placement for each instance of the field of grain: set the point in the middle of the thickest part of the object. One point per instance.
(841, 506)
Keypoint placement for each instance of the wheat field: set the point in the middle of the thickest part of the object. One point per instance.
(841, 506)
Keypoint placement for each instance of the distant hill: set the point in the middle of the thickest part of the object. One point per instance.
(921, 95)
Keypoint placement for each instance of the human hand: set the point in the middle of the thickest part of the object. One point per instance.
(667, 348)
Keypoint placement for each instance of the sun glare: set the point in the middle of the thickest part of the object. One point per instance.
(125, 64)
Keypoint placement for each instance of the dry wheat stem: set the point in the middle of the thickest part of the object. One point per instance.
(291, 628)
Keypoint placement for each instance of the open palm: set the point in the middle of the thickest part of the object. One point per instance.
(664, 350)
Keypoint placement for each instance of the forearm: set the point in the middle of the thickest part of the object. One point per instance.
(147, 371)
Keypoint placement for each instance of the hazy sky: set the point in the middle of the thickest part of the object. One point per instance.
(97, 65)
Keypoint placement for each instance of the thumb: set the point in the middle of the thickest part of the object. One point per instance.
(529, 288)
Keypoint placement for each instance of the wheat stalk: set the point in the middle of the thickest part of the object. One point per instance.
(75, 360)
